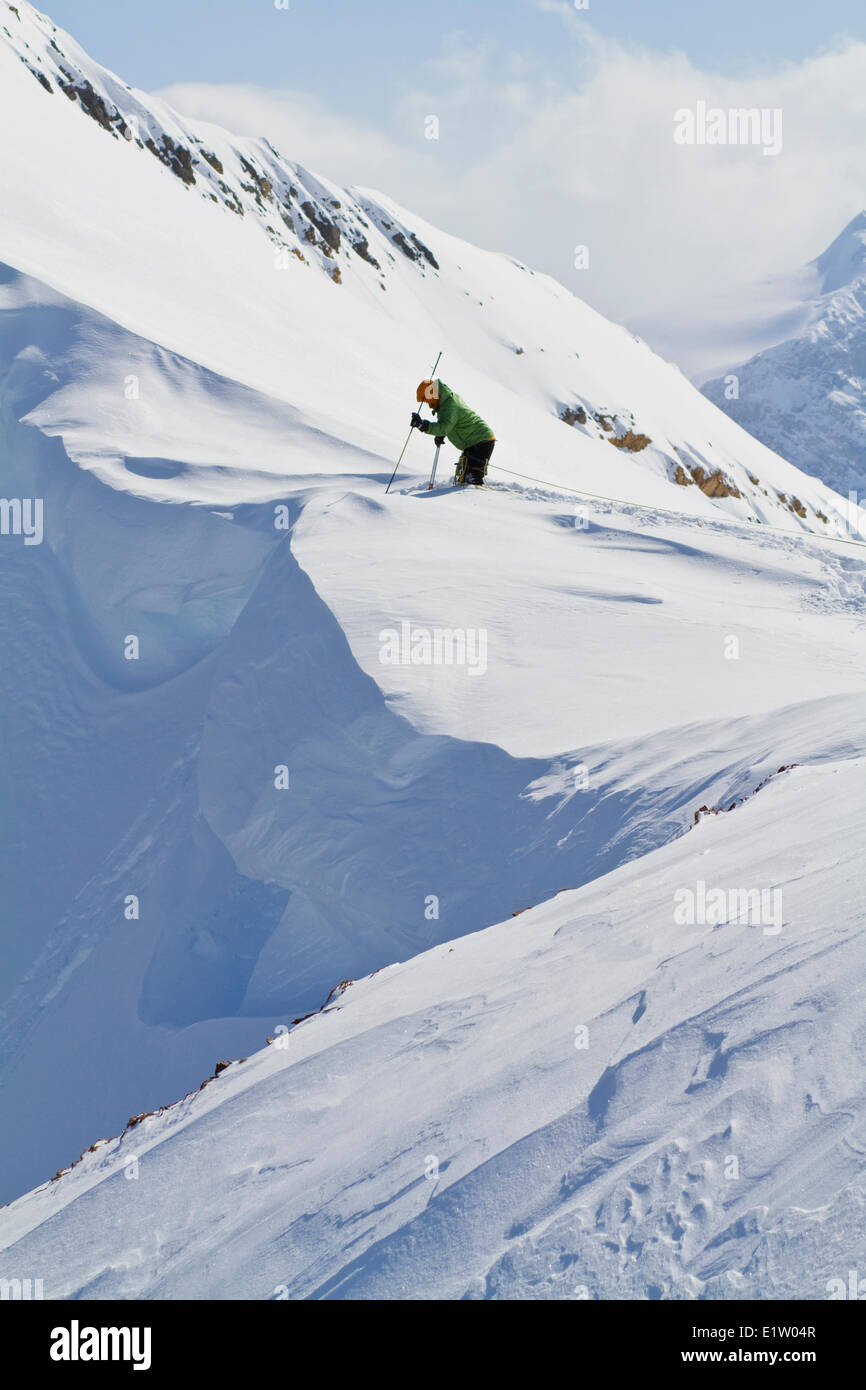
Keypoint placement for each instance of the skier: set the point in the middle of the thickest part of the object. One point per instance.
(460, 426)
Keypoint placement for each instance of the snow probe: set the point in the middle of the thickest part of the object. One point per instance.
(433, 474)
(409, 435)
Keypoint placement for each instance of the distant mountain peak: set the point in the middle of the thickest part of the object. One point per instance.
(845, 258)
(804, 397)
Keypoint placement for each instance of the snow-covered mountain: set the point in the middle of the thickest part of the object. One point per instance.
(229, 801)
(589, 1101)
(806, 396)
(331, 303)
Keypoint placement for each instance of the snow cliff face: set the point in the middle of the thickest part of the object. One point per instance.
(591, 1101)
(805, 397)
(226, 795)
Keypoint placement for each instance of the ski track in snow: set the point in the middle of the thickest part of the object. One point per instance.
(606, 1170)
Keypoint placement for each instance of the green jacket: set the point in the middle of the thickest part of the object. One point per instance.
(460, 425)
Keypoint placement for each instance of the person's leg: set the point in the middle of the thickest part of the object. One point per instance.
(478, 458)
(487, 447)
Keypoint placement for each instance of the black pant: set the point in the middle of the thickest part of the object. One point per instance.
(476, 459)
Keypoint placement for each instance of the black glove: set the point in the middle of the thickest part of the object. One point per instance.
(439, 440)
(417, 422)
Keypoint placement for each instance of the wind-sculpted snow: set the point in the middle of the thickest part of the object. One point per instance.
(256, 899)
(590, 1101)
(463, 776)
(424, 802)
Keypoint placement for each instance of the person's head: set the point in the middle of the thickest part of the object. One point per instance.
(428, 392)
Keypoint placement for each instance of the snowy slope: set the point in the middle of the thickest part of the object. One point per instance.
(466, 802)
(805, 396)
(209, 419)
(445, 1130)
(234, 269)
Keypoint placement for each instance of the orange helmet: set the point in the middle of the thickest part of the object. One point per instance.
(427, 391)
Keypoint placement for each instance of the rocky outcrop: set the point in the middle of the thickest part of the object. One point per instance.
(175, 156)
(714, 484)
(631, 441)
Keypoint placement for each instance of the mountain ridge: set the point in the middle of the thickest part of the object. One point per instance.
(805, 397)
(538, 355)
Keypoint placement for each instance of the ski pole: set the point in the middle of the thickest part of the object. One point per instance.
(433, 474)
(409, 435)
(400, 459)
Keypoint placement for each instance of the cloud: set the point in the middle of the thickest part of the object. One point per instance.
(535, 159)
(302, 127)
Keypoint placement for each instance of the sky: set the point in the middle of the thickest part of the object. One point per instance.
(554, 135)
